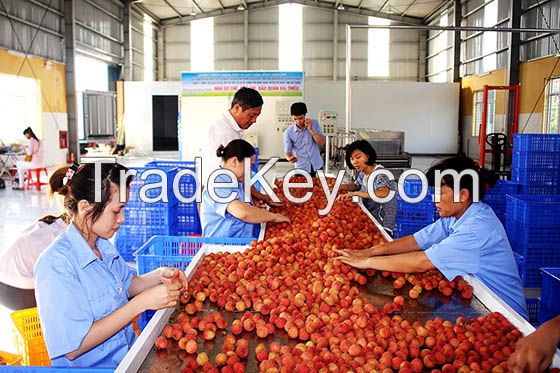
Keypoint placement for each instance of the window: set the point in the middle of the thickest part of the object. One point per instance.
(148, 50)
(202, 44)
(93, 75)
(552, 107)
(378, 48)
(477, 112)
(290, 45)
(490, 39)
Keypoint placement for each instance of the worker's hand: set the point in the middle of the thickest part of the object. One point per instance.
(356, 262)
(309, 124)
(259, 203)
(291, 158)
(534, 353)
(345, 197)
(279, 218)
(160, 296)
(268, 200)
(172, 275)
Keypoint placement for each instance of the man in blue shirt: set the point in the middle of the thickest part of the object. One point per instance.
(468, 239)
(304, 138)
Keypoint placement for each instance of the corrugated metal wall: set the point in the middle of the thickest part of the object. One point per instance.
(440, 50)
(472, 46)
(99, 29)
(25, 15)
(407, 57)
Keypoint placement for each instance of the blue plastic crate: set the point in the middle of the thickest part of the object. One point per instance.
(531, 276)
(535, 159)
(130, 238)
(137, 183)
(533, 310)
(413, 187)
(187, 183)
(536, 176)
(149, 215)
(255, 167)
(538, 189)
(533, 236)
(550, 293)
(534, 209)
(423, 211)
(536, 143)
(403, 229)
(187, 225)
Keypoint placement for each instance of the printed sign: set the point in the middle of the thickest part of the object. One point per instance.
(226, 83)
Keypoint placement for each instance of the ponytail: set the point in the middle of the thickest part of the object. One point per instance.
(56, 184)
(238, 148)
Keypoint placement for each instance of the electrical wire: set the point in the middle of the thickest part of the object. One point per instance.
(26, 57)
(539, 6)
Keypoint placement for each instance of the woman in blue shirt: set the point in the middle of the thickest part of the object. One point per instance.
(361, 156)
(86, 294)
(224, 212)
(468, 239)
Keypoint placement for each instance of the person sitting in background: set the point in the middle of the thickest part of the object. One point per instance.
(361, 156)
(236, 218)
(534, 353)
(83, 285)
(33, 157)
(16, 263)
(468, 239)
(304, 138)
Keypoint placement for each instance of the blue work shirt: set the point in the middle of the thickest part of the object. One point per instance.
(475, 244)
(301, 142)
(74, 288)
(214, 218)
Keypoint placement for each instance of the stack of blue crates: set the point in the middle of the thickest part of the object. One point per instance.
(495, 197)
(533, 228)
(186, 214)
(411, 217)
(536, 163)
(143, 219)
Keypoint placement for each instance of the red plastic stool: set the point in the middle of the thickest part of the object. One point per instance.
(37, 182)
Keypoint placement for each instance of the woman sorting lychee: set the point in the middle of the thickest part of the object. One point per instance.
(468, 239)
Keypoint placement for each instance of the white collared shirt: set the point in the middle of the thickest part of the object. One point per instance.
(17, 261)
(221, 132)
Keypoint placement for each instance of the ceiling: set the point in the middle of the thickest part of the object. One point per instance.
(412, 11)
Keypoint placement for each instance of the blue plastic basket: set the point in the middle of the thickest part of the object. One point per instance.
(535, 159)
(536, 176)
(538, 189)
(534, 209)
(406, 228)
(536, 143)
(531, 276)
(413, 187)
(130, 238)
(550, 294)
(533, 236)
(150, 215)
(187, 225)
(423, 211)
(137, 183)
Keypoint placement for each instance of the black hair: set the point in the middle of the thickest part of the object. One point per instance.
(298, 108)
(238, 148)
(81, 186)
(365, 147)
(459, 164)
(247, 98)
(56, 184)
(29, 131)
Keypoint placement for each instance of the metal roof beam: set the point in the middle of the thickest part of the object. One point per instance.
(408, 7)
(311, 3)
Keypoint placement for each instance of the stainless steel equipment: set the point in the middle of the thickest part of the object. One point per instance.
(388, 145)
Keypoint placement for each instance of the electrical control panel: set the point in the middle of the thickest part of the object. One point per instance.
(328, 120)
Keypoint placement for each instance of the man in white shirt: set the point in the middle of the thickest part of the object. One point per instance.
(245, 107)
